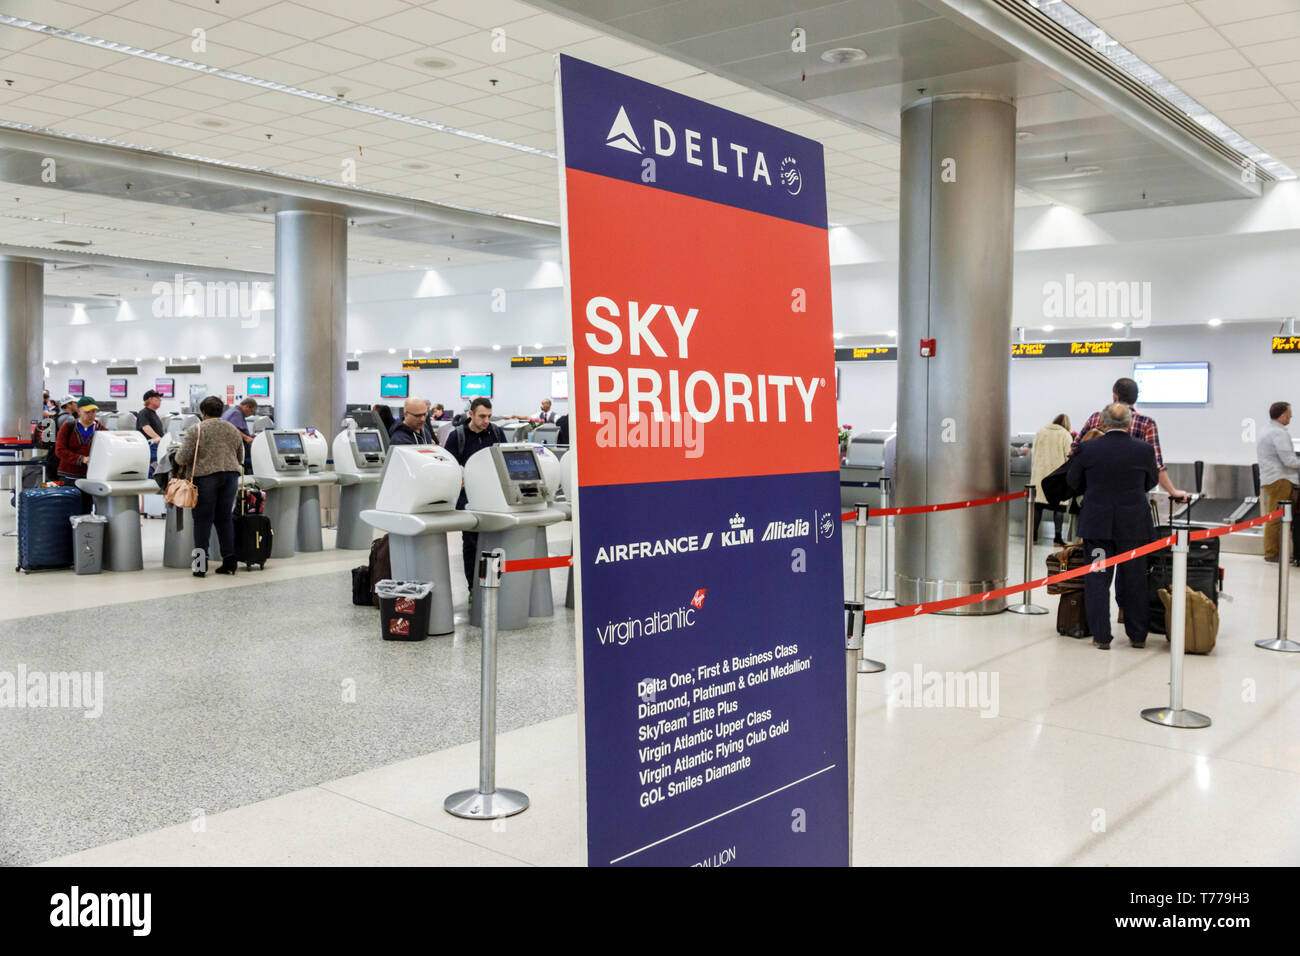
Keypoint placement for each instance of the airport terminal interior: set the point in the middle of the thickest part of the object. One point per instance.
(330, 211)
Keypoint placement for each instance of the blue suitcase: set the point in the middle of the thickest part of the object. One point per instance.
(44, 529)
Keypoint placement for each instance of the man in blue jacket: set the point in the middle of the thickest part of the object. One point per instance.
(1115, 472)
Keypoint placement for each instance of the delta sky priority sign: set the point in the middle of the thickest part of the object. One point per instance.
(706, 525)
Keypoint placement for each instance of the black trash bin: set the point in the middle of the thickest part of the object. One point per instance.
(404, 608)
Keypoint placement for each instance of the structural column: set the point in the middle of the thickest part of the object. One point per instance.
(955, 260)
(311, 279)
(22, 331)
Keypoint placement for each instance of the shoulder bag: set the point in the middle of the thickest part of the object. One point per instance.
(182, 492)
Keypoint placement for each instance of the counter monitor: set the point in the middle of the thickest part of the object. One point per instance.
(368, 441)
(288, 443)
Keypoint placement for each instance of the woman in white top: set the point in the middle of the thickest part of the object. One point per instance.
(1051, 448)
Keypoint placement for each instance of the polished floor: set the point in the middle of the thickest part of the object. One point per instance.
(225, 739)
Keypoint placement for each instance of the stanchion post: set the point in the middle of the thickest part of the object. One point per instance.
(1026, 606)
(884, 592)
(1174, 715)
(1280, 643)
(865, 665)
(487, 802)
(854, 625)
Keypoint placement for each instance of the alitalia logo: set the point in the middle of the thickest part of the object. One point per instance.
(776, 530)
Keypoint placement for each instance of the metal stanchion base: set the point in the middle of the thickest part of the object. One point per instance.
(1027, 609)
(867, 666)
(475, 805)
(881, 594)
(1175, 718)
(1278, 644)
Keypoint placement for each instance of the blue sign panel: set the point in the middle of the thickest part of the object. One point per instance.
(707, 534)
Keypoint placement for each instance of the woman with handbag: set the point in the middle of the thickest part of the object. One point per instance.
(212, 455)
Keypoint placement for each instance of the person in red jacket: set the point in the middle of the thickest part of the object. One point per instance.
(72, 446)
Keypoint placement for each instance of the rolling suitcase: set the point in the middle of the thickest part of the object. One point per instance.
(44, 528)
(253, 536)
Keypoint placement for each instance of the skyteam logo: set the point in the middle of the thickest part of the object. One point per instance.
(791, 179)
(707, 152)
(622, 136)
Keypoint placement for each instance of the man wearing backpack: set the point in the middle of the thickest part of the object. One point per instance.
(463, 441)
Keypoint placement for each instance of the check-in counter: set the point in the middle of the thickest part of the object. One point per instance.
(116, 476)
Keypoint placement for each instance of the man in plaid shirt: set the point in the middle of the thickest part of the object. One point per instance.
(1144, 427)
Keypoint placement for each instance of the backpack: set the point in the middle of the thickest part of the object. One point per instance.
(498, 437)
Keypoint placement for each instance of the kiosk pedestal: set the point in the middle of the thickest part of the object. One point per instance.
(417, 548)
(178, 543)
(356, 494)
(309, 526)
(516, 534)
(282, 506)
(119, 502)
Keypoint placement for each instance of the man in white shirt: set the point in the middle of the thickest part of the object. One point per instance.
(547, 415)
(1279, 471)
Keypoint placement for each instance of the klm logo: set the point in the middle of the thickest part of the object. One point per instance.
(720, 156)
(622, 136)
(738, 534)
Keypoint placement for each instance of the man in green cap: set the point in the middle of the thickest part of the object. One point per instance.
(72, 447)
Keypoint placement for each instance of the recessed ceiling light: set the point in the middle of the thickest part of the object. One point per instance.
(213, 123)
(892, 334)
(838, 336)
(1215, 323)
(537, 345)
(392, 351)
(1160, 202)
(1049, 328)
(427, 351)
(415, 165)
(1024, 134)
(1117, 325)
(227, 355)
(496, 348)
(1087, 170)
(434, 62)
(456, 348)
(844, 54)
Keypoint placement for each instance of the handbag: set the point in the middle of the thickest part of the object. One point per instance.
(182, 492)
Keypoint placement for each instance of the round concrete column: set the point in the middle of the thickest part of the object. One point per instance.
(311, 295)
(22, 345)
(955, 257)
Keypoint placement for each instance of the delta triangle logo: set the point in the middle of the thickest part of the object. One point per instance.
(622, 136)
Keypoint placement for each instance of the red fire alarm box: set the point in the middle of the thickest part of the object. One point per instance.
(927, 348)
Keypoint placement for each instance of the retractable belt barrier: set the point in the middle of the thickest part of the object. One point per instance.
(930, 509)
(930, 607)
(537, 564)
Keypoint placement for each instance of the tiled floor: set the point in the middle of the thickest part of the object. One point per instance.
(1065, 771)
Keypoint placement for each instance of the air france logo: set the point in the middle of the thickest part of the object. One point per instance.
(622, 136)
(790, 176)
(721, 156)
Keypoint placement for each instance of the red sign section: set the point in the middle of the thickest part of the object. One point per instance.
(658, 329)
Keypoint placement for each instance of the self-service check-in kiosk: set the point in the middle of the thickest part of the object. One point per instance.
(416, 506)
(359, 456)
(286, 463)
(116, 476)
(568, 491)
(509, 488)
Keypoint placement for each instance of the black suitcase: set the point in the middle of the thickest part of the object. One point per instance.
(380, 565)
(253, 538)
(361, 586)
(1071, 617)
(1202, 574)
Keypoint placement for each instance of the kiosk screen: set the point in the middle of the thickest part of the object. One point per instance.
(368, 442)
(521, 465)
(288, 444)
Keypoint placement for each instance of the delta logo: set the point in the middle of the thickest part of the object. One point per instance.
(722, 156)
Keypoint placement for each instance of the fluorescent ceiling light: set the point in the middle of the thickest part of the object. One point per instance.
(1049, 328)
(1084, 29)
(1215, 323)
(127, 50)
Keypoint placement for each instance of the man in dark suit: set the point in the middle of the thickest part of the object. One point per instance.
(1115, 472)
